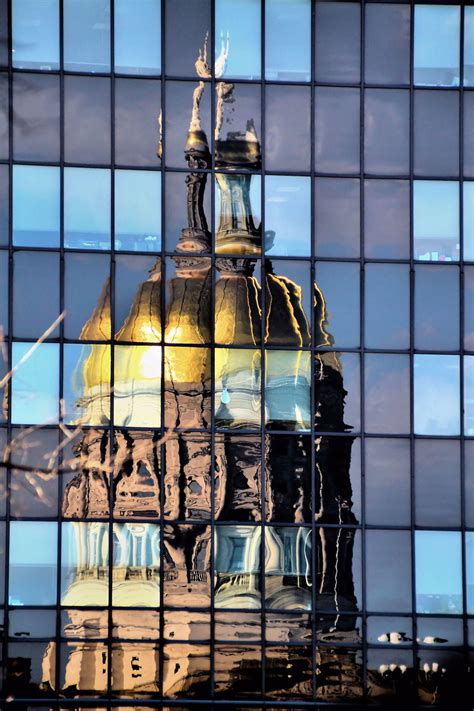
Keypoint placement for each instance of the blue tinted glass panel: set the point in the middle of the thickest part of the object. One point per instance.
(33, 563)
(436, 307)
(35, 386)
(437, 33)
(4, 291)
(4, 203)
(86, 384)
(138, 37)
(287, 215)
(470, 571)
(468, 226)
(386, 326)
(35, 293)
(469, 395)
(237, 39)
(35, 34)
(340, 288)
(288, 40)
(87, 35)
(436, 393)
(137, 210)
(87, 208)
(436, 591)
(469, 46)
(36, 206)
(436, 220)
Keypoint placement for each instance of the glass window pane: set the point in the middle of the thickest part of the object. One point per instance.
(138, 37)
(35, 293)
(86, 119)
(337, 130)
(85, 564)
(288, 40)
(386, 326)
(435, 551)
(468, 156)
(436, 133)
(138, 210)
(36, 117)
(131, 272)
(3, 294)
(436, 220)
(182, 48)
(337, 42)
(137, 109)
(437, 496)
(137, 386)
(86, 384)
(237, 39)
(188, 300)
(387, 219)
(188, 386)
(386, 138)
(136, 546)
(4, 204)
(237, 375)
(437, 35)
(436, 329)
(337, 217)
(338, 285)
(287, 215)
(32, 493)
(35, 27)
(468, 227)
(35, 383)
(36, 191)
(288, 299)
(178, 223)
(469, 308)
(287, 135)
(469, 395)
(337, 392)
(86, 287)
(470, 571)
(288, 468)
(388, 585)
(87, 208)
(238, 126)
(469, 46)
(33, 556)
(387, 393)
(436, 380)
(32, 623)
(387, 44)
(4, 106)
(180, 104)
(87, 35)
(4, 35)
(387, 468)
(238, 213)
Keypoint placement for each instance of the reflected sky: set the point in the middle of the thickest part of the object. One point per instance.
(36, 34)
(288, 45)
(436, 220)
(35, 385)
(238, 22)
(436, 394)
(36, 206)
(437, 551)
(287, 215)
(437, 34)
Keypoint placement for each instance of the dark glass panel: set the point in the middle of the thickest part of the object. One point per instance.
(237, 39)
(87, 208)
(86, 120)
(469, 308)
(387, 306)
(436, 379)
(388, 585)
(137, 112)
(436, 45)
(288, 473)
(187, 387)
(436, 133)
(138, 210)
(387, 44)
(131, 284)
(288, 40)
(337, 217)
(468, 135)
(438, 550)
(187, 477)
(86, 287)
(186, 671)
(4, 35)
(287, 134)
(34, 493)
(237, 482)
(238, 125)
(337, 316)
(437, 496)
(36, 117)
(35, 300)
(86, 27)
(138, 37)
(183, 191)
(387, 468)
(294, 626)
(188, 300)
(387, 134)
(182, 103)
(4, 204)
(187, 565)
(337, 392)
(387, 393)
(337, 130)
(288, 302)
(436, 220)
(468, 226)
(347, 658)
(3, 292)
(35, 28)
(4, 104)
(32, 623)
(468, 403)
(436, 308)
(389, 630)
(289, 672)
(337, 42)
(338, 480)
(36, 206)
(30, 669)
(33, 556)
(35, 388)
(183, 48)
(137, 468)
(287, 215)
(237, 671)
(390, 675)
(387, 219)
(2, 561)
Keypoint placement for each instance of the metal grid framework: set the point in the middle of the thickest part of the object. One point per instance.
(113, 698)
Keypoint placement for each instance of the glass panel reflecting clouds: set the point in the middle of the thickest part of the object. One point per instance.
(337, 42)
(385, 325)
(35, 34)
(436, 328)
(137, 210)
(137, 37)
(87, 35)
(435, 551)
(36, 206)
(288, 44)
(87, 208)
(436, 220)
(287, 134)
(387, 43)
(35, 384)
(437, 32)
